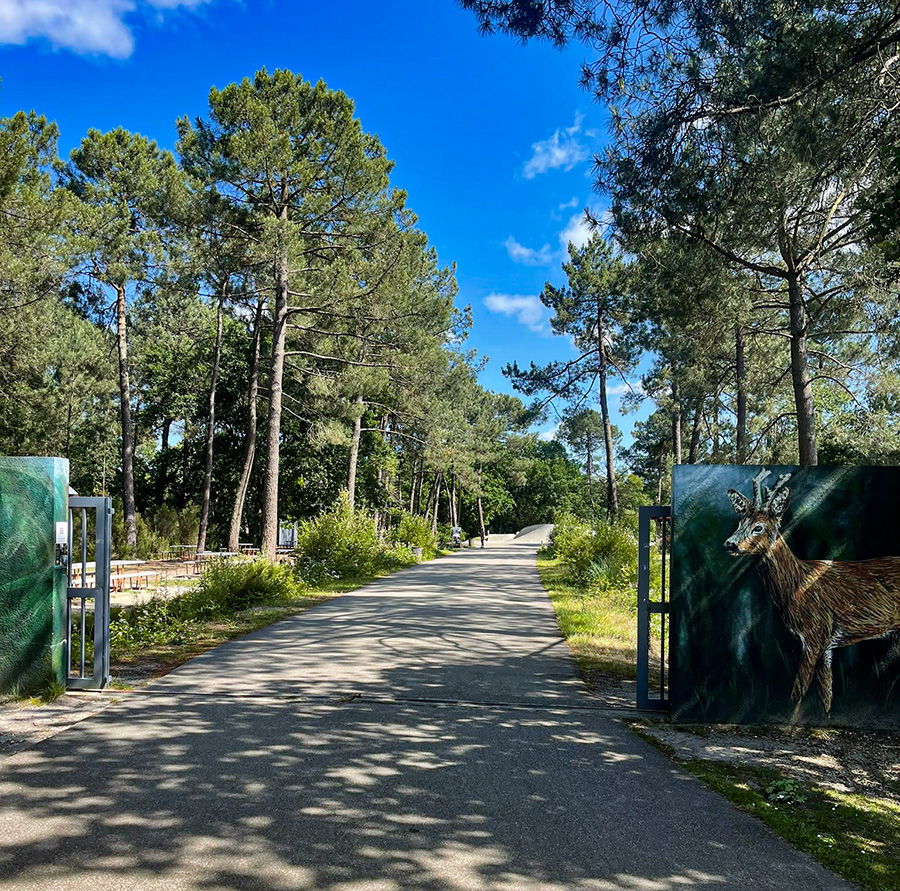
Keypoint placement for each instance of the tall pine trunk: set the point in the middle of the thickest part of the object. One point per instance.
(237, 512)
(803, 396)
(162, 472)
(129, 510)
(414, 463)
(676, 423)
(211, 425)
(480, 509)
(590, 469)
(354, 452)
(694, 451)
(420, 486)
(612, 496)
(269, 542)
(740, 373)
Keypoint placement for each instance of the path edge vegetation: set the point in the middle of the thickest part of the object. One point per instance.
(845, 832)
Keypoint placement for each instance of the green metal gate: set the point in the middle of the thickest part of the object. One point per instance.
(87, 628)
(654, 547)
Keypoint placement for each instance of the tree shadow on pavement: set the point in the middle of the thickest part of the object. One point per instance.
(197, 792)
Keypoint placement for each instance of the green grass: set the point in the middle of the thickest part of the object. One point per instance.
(855, 836)
(601, 628)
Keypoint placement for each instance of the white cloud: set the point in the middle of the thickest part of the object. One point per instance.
(620, 388)
(549, 435)
(562, 149)
(88, 27)
(568, 205)
(577, 230)
(527, 256)
(525, 308)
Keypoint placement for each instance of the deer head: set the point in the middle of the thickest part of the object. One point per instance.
(761, 517)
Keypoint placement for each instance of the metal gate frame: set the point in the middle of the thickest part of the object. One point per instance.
(648, 607)
(100, 674)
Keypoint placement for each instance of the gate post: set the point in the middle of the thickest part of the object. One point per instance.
(648, 607)
(99, 593)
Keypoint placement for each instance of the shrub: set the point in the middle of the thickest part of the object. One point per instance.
(343, 542)
(602, 557)
(228, 587)
(415, 532)
(156, 622)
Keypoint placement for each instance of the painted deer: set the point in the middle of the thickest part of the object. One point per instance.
(824, 603)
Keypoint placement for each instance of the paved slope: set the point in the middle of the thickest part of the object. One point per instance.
(227, 774)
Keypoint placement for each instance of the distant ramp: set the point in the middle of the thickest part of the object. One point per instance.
(537, 534)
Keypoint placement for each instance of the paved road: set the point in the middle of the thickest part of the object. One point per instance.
(426, 732)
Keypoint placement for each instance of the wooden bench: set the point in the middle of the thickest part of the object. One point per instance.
(117, 582)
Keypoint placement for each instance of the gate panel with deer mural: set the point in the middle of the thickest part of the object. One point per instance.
(786, 595)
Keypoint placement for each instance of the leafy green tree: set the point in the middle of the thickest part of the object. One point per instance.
(594, 309)
(127, 187)
(310, 184)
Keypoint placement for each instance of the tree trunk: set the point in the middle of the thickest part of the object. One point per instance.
(451, 501)
(129, 511)
(803, 396)
(694, 452)
(589, 467)
(237, 513)
(273, 446)
(354, 452)
(480, 510)
(421, 485)
(454, 504)
(414, 462)
(740, 373)
(435, 501)
(612, 497)
(211, 425)
(162, 472)
(676, 423)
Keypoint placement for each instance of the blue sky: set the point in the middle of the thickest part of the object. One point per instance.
(492, 140)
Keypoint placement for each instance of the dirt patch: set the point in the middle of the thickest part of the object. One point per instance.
(858, 761)
(23, 724)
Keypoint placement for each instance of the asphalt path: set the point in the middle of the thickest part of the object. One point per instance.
(428, 731)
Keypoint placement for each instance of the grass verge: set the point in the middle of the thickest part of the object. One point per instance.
(856, 836)
(600, 627)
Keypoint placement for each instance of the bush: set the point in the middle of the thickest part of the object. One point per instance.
(344, 542)
(228, 587)
(154, 623)
(601, 558)
(415, 532)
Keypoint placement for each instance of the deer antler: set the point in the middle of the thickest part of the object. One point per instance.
(757, 487)
(770, 493)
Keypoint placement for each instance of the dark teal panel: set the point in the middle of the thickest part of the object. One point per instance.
(33, 499)
(733, 659)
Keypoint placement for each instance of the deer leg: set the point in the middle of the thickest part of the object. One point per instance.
(823, 675)
(805, 674)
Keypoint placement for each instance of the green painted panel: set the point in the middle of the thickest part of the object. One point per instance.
(33, 499)
(735, 653)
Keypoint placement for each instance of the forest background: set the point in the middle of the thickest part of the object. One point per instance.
(236, 332)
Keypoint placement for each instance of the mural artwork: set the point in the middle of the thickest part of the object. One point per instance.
(803, 596)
